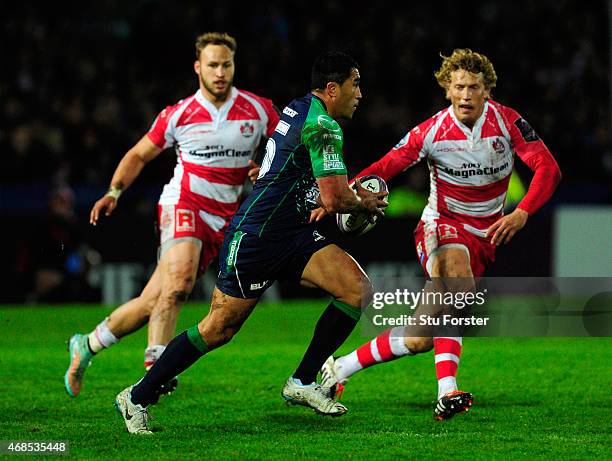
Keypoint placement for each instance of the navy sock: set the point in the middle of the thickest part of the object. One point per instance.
(182, 352)
(334, 326)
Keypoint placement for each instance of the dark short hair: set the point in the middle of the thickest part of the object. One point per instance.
(332, 66)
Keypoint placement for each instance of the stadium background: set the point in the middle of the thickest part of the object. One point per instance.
(80, 85)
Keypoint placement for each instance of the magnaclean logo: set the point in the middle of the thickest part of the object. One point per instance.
(466, 173)
(218, 151)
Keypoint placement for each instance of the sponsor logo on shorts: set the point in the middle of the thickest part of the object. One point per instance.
(166, 223)
(232, 252)
(446, 231)
(185, 221)
(166, 218)
(317, 236)
(259, 286)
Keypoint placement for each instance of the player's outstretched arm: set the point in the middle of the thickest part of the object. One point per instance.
(127, 171)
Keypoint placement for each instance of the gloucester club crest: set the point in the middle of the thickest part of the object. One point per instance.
(498, 146)
(247, 129)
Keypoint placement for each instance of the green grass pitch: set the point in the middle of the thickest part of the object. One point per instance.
(535, 398)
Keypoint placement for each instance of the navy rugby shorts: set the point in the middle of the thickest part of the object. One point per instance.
(249, 264)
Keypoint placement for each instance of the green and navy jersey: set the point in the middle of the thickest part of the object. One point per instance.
(306, 144)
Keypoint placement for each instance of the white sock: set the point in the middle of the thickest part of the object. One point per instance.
(152, 353)
(300, 383)
(101, 337)
(397, 343)
(446, 385)
(346, 366)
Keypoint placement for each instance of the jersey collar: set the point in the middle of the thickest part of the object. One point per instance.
(320, 100)
(474, 133)
(210, 107)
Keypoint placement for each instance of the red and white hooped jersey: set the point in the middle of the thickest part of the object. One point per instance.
(469, 169)
(213, 147)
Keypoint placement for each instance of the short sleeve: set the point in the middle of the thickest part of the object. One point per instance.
(160, 132)
(323, 140)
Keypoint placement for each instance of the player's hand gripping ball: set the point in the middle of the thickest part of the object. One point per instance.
(357, 223)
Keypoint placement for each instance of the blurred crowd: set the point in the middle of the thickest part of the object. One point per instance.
(79, 86)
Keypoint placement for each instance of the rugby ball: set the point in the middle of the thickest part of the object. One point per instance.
(357, 223)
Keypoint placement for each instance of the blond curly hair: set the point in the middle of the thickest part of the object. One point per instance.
(466, 59)
(214, 38)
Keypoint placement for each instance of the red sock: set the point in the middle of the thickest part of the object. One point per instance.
(385, 347)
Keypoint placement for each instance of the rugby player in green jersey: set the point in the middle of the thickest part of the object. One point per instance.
(274, 236)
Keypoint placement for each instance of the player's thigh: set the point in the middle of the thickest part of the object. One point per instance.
(451, 261)
(452, 274)
(451, 270)
(179, 265)
(335, 271)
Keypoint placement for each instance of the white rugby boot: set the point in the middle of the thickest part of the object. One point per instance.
(313, 396)
(136, 417)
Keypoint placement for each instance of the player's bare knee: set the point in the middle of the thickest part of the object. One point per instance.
(457, 271)
(178, 290)
(182, 285)
(359, 292)
(217, 330)
(226, 335)
(417, 345)
(367, 291)
(149, 304)
(180, 296)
